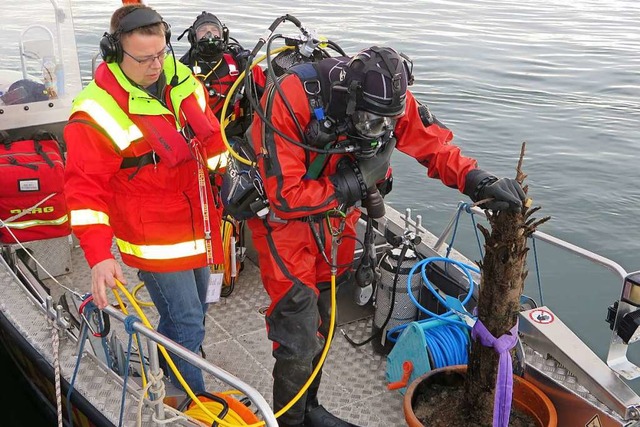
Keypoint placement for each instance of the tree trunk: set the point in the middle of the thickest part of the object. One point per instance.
(502, 282)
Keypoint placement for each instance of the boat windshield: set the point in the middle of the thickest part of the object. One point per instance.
(39, 71)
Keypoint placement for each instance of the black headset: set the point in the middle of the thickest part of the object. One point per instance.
(110, 44)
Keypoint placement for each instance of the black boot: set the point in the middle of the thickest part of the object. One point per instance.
(320, 417)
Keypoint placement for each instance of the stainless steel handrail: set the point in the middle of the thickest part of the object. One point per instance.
(584, 253)
(199, 362)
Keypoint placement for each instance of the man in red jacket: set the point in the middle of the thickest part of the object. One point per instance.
(326, 147)
(138, 140)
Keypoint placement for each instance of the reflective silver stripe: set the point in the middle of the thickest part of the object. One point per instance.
(36, 222)
(122, 137)
(178, 250)
(202, 100)
(88, 217)
(219, 161)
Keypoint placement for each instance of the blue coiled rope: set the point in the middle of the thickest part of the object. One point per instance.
(448, 345)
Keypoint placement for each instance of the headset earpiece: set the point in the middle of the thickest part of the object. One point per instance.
(167, 32)
(110, 48)
(225, 35)
(191, 36)
(110, 44)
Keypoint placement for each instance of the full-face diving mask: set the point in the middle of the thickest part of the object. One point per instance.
(371, 125)
(210, 39)
(372, 131)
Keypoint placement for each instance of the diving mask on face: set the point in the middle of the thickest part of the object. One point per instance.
(370, 125)
(208, 31)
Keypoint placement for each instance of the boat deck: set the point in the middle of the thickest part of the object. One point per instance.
(353, 385)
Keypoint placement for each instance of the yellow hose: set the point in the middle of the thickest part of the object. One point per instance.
(172, 365)
(223, 112)
(134, 293)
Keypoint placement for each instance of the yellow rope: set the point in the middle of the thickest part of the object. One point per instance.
(216, 407)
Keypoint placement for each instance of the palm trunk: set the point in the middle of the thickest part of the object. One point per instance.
(504, 272)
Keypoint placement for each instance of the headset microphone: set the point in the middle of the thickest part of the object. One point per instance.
(174, 79)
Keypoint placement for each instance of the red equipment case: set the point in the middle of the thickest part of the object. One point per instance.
(32, 173)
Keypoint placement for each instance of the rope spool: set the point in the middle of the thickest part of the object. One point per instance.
(238, 413)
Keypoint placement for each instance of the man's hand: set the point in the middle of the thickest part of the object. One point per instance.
(104, 274)
(506, 193)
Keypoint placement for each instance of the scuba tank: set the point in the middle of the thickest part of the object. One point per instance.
(393, 307)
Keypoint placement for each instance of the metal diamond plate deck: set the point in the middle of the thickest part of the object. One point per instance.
(353, 385)
(101, 387)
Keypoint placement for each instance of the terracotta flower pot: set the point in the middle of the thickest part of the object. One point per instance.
(526, 397)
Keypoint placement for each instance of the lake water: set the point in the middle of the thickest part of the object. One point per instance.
(562, 76)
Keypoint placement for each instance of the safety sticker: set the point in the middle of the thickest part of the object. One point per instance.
(594, 422)
(541, 316)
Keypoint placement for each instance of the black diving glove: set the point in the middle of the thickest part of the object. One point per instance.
(507, 194)
(349, 184)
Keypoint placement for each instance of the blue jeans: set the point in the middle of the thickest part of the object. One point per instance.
(179, 298)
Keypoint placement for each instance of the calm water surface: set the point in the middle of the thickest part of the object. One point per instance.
(562, 76)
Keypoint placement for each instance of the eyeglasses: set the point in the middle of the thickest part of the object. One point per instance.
(148, 60)
(372, 125)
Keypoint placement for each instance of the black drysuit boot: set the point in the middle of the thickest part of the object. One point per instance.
(320, 417)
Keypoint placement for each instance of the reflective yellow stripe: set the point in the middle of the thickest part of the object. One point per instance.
(177, 250)
(36, 222)
(88, 217)
(123, 137)
(202, 100)
(219, 161)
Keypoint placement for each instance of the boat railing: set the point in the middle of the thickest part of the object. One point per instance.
(153, 338)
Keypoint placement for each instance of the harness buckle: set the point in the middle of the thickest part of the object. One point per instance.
(315, 90)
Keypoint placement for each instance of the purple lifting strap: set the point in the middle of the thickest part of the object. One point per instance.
(504, 381)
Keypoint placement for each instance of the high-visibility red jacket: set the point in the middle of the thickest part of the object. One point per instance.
(155, 211)
(291, 195)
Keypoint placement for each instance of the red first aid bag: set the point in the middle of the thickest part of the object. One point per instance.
(32, 205)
